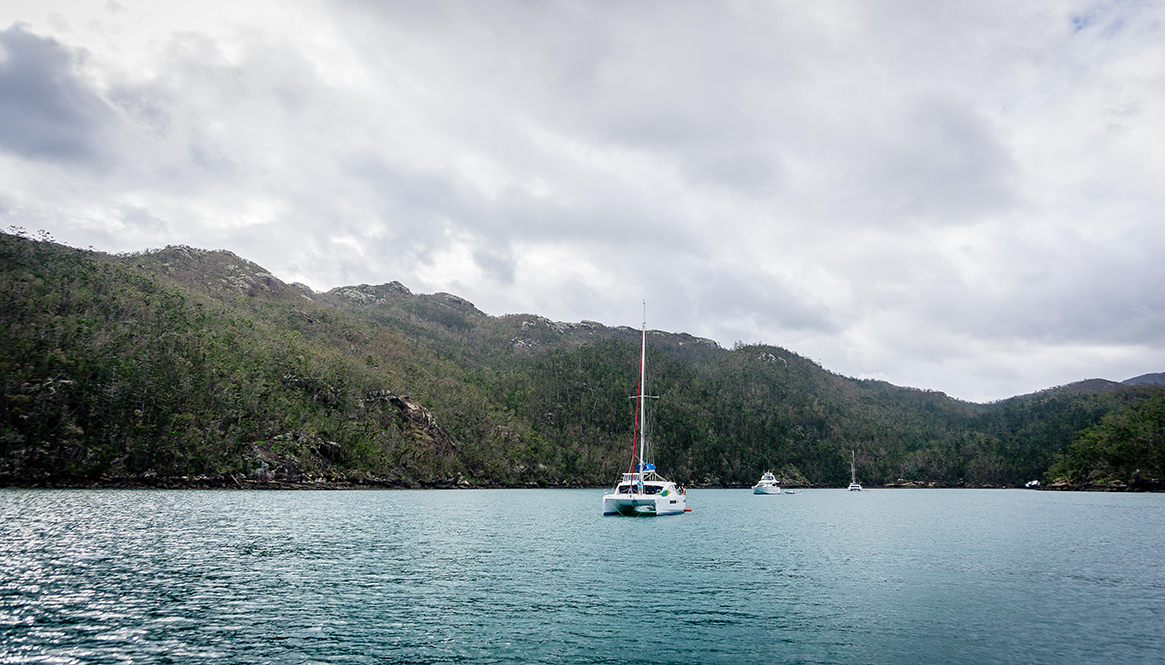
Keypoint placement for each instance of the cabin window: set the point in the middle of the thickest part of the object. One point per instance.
(637, 489)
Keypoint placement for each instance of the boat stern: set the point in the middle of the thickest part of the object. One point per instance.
(669, 501)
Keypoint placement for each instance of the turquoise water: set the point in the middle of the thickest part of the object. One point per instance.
(501, 576)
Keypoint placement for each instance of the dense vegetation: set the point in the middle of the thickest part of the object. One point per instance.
(1126, 447)
(188, 363)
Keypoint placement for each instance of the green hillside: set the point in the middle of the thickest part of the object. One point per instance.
(185, 367)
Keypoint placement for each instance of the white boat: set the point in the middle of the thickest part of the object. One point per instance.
(642, 491)
(768, 484)
(853, 482)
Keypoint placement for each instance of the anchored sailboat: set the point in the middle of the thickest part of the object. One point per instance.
(642, 491)
(853, 479)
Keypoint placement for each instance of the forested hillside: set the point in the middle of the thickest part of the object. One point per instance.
(183, 363)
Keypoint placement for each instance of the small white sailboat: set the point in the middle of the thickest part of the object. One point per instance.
(853, 482)
(768, 484)
(642, 491)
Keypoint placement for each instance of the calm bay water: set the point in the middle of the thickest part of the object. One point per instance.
(828, 576)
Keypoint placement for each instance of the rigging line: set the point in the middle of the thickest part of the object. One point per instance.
(636, 425)
(634, 436)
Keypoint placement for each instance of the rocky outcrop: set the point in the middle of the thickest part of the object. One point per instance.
(217, 272)
(415, 419)
(789, 476)
(455, 300)
(365, 294)
(294, 457)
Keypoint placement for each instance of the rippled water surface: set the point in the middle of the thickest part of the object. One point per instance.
(828, 576)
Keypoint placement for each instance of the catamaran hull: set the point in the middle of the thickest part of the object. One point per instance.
(673, 504)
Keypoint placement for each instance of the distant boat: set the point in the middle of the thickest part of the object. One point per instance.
(642, 491)
(853, 479)
(1033, 485)
(792, 491)
(767, 484)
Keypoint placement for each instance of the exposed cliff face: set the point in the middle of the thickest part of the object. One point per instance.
(415, 420)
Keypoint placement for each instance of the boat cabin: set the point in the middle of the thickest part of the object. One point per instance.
(647, 488)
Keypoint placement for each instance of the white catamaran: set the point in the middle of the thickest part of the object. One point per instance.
(853, 478)
(642, 491)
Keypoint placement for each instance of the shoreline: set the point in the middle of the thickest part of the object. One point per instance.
(235, 483)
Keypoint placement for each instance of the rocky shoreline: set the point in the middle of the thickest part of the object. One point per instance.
(234, 482)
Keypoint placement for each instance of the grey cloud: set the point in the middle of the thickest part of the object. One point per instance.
(623, 78)
(47, 110)
(743, 170)
(209, 157)
(1084, 295)
(683, 152)
(142, 220)
(416, 205)
(763, 301)
(148, 107)
(58, 22)
(941, 163)
(1059, 291)
(604, 215)
(496, 263)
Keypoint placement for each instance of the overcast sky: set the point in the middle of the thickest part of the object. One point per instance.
(958, 196)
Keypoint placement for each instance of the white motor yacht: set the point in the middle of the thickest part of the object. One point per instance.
(767, 484)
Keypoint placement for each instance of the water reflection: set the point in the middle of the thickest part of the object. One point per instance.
(541, 576)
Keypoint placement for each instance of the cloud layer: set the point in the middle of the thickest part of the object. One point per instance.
(963, 197)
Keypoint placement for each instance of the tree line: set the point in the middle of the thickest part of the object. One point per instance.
(189, 363)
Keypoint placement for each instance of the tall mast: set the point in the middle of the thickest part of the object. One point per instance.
(642, 392)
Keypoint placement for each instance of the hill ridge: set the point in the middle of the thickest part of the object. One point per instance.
(201, 364)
